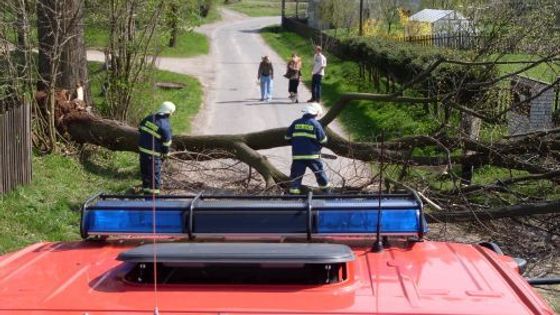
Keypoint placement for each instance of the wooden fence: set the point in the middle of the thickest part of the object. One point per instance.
(454, 41)
(15, 146)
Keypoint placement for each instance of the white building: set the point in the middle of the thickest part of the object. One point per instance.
(432, 21)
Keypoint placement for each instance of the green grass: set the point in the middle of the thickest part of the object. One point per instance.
(257, 7)
(214, 14)
(363, 120)
(188, 99)
(188, 45)
(47, 208)
(545, 72)
(96, 37)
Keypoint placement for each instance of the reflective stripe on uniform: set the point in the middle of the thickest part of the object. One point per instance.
(150, 131)
(304, 134)
(295, 191)
(304, 127)
(324, 140)
(168, 143)
(151, 125)
(287, 138)
(149, 152)
(151, 191)
(306, 157)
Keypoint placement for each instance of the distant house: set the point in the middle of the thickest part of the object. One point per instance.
(431, 21)
(536, 114)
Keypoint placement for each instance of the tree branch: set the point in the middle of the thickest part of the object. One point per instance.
(496, 213)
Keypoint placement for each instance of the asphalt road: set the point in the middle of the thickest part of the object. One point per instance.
(233, 96)
(229, 77)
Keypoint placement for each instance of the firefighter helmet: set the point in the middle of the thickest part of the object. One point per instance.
(166, 108)
(313, 109)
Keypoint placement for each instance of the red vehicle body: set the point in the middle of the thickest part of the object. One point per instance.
(420, 278)
(330, 268)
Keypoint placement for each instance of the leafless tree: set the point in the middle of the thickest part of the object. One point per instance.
(130, 53)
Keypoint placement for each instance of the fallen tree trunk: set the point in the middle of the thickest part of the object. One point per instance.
(84, 127)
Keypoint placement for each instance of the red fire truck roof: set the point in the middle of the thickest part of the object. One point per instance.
(417, 278)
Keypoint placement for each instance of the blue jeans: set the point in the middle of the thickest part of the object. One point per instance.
(266, 87)
(316, 87)
(298, 170)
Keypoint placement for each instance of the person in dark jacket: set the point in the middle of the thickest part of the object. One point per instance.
(307, 137)
(265, 76)
(153, 144)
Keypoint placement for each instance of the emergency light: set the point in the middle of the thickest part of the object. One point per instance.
(324, 215)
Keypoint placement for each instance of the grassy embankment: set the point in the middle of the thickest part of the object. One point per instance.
(265, 7)
(189, 43)
(47, 208)
(545, 72)
(365, 120)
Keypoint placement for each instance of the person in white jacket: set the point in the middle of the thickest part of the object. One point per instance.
(319, 64)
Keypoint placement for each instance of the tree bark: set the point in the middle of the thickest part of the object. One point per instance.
(173, 25)
(62, 51)
(47, 27)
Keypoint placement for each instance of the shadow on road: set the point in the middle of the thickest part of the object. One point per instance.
(255, 31)
(241, 101)
(270, 103)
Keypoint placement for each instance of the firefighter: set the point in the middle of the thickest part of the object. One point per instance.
(307, 137)
(153, 144)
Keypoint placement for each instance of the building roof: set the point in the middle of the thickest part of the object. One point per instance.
(433, 15)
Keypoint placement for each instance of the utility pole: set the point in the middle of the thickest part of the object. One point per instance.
(361, 32)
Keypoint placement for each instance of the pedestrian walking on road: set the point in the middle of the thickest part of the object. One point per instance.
(307, 137)
(266, 77)
(319, 64)
(153, 144)
(293, 73)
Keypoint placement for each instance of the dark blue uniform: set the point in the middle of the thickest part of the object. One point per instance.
(307, 138)
(153, 144)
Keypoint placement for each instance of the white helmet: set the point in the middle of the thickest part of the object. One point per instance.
(313, 109)
(166, 108)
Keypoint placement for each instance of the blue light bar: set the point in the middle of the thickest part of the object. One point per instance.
(280, 215)
(393, 221)
(134, 221)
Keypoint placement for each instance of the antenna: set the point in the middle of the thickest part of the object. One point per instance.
(378, 245)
